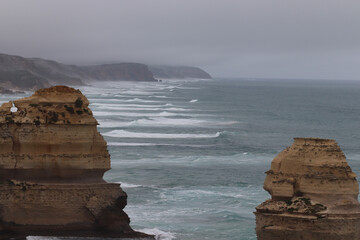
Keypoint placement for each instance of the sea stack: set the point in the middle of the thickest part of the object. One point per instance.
(314, 194)
(52, 161)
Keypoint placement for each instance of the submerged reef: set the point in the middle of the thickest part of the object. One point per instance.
(314, 194)
(52, 162)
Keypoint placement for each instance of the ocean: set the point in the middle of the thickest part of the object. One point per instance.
(191, 154)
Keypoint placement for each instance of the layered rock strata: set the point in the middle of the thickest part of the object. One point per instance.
(52, 161)
(314, 194)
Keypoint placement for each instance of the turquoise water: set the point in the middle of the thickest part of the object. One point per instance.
(192, 154)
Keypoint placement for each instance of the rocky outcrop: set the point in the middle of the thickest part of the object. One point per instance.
(34, 73)
(314, 194)
(52, 160)
(178, 72)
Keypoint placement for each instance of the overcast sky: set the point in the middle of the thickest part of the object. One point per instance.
(232, 38)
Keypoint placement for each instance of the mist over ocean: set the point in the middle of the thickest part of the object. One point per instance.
(191, 154)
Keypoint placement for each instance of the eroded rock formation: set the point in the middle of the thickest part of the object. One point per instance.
(52, 160)
(314, 194)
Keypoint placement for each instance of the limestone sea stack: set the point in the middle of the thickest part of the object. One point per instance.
(314, 194)
(52, 161)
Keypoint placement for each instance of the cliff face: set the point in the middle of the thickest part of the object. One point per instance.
(22, 80)
(179, 72)
(314, 194)
(31, 74)
(34, 73)
(52, 160)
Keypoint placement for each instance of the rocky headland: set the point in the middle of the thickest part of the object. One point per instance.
(34, 73)
(19, 73)
(178, 72)
(52, 161)
(314, 194)
(118, 71)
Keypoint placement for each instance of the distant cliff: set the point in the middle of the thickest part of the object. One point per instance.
(29, 74)
(33, 73)
(179, 72)
(118, 71)
(21, 73)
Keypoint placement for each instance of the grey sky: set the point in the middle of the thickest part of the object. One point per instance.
(232, 38)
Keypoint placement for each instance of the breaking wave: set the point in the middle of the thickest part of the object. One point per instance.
(135, 114)
(127, 134)
(132, 144)
(164, 121)
(128, 185)
(120, 108)
(159, 235)
(138, 100)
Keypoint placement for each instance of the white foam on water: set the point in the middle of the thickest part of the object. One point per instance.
(128, 185)
(133, 144)
(120, 108)
(139, 92)
(159, 235)
(134, 114)
(115, 124)
(127, 134)
(207, 193)
(129, 105)
(121, 100)
(161, 96)
(224, 123)
(193, 101)
(149, 114)
(164, 121)
(138, 100)
(105, 100)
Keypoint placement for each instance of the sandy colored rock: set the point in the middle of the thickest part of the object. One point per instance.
(52, 161)
(314, 194)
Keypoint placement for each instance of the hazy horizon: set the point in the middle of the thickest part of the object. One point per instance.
(249, 39)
